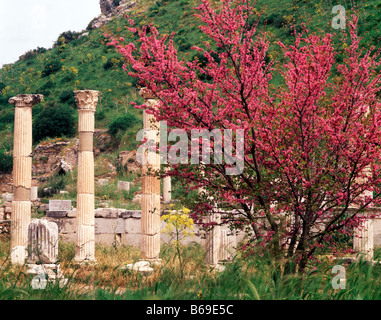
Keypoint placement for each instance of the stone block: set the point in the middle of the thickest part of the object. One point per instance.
(108, 239)
(65, 225)
(8, 197)
(103, 182)
(131, 239)
(72, 213)
(56, 214)
(109, 226)
(34, 193)
(141, 266)
(108, 213)
(60, 205)
(136, 214)
(132, 226)
(124, 186)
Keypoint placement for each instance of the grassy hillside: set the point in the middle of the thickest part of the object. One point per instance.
(87, 63)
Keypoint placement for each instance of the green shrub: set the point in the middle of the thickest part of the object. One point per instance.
(122, 123)
(32, 53)
(53, 122)
(54, 185)
(8, 117)
(67, 97)
(113, 62)
(51, 67)
(100, 115)
(6, 162)
(276, 20)
(66, 37)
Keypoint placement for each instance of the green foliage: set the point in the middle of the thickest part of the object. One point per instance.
(53, 122)
(54, 185)
(6, 162)
(51, 66)
(32, 54)
(122, 123)
(66, 37)
(6, 117)
(67, 96)
(113, 63)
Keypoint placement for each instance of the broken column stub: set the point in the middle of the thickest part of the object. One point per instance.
(42, 242)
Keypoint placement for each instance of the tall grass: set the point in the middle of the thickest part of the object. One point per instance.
(253, 278)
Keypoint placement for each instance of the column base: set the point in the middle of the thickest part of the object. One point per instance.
(19, 255)
(155, 262)
(44, 274)
(79, 261)
(216, 267)
(143, 266)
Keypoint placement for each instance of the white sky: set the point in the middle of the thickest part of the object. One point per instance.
(28, 24)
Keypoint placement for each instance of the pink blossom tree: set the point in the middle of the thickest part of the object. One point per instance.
(311, 144)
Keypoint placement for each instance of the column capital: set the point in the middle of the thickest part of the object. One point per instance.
(86, 99)
(146, 94)
(26, 100)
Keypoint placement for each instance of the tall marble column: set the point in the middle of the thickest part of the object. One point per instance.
(85, 245)
(150, 244)
(22, 174)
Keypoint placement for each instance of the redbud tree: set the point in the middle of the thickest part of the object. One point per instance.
(311, 144)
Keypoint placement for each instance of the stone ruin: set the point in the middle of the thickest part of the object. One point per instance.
(43, 251)
(26, 234)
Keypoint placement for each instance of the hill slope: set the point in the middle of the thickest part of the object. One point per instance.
(85, 62)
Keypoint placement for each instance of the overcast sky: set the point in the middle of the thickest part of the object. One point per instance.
(28, 24)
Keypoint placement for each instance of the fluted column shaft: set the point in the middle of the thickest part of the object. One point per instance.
(150, 227)
(22, 174)
(363, 234)
(213, 240)
(85, 245)
(167, 189)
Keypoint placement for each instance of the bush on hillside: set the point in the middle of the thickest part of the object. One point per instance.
(122, 123)
(32, 53)
(66, 37)
(67, 97)
(6, 162)
(51, 67)
(53, 122)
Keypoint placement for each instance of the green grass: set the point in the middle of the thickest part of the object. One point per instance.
(253, 278)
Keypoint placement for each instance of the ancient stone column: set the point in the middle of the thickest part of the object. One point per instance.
(85, 245)
(213, 240)
(363, 235)
(227, 248)
(363, 240)
(150, 244)
(167, 189)
(22, 174)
